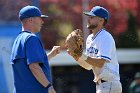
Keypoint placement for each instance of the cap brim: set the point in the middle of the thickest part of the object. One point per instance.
(44, 16)
(89, 14)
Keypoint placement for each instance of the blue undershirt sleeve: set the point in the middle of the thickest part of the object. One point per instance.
(34, 50)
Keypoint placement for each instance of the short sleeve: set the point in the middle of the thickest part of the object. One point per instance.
(105, 48)
(34, 50)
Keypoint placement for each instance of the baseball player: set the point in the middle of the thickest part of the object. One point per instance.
(100, 55)
(29, 61)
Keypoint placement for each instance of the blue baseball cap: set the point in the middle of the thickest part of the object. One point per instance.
(98, 11)
(30, 11)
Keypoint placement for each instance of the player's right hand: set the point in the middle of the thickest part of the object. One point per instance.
(51, 90)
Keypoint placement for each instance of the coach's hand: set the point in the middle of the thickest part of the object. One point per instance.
(51, 90)
(55, 50)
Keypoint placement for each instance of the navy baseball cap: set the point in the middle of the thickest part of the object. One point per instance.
(98, 11)
(30, 11)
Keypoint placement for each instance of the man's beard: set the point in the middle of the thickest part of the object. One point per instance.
(92, 27)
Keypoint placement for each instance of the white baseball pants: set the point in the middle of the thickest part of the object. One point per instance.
(109, 87)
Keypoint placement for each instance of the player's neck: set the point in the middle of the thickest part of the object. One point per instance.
(95, 31)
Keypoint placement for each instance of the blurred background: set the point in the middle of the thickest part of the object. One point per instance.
(65, 16)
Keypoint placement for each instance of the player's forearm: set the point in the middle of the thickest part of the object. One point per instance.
(39, 74)
(85, 65)
(93, 61)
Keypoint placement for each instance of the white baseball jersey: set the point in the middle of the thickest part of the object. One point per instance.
(102, 45)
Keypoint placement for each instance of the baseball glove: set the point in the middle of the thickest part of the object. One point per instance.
(74, 43)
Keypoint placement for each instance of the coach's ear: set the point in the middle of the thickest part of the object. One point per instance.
(30, 19)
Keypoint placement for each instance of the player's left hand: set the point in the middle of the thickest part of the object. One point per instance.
(74, 43)
(55, 50)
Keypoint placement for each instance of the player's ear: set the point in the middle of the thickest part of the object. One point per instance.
(101, 19)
